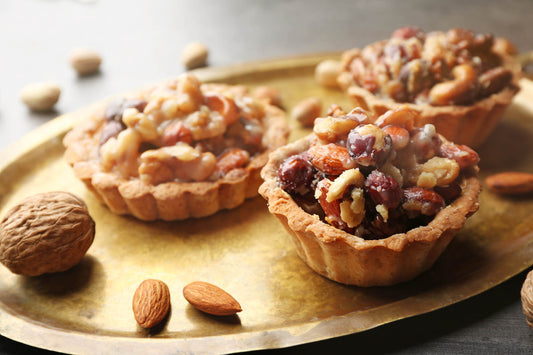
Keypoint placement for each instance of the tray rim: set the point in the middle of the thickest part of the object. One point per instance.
(48, 337)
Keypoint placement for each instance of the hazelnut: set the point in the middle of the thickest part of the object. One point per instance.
(194, 55)
(40, 96)
(327, 72)
(271, 95)
(45, 233)
(85, 61)
(307, 110)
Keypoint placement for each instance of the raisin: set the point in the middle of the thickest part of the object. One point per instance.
(377, 228)
(449, 192)
(115, 109)
(111, 129)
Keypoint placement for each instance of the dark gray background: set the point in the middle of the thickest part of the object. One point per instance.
(141, 42)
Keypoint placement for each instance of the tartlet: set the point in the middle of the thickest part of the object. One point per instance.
(176, 150)
(459, 81)
(371, 204)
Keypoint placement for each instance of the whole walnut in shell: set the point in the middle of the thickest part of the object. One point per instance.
(45, 233)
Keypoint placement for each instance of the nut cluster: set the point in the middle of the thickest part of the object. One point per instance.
(376, 179)
(457, 67)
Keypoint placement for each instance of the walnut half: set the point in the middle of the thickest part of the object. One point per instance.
(45, 233)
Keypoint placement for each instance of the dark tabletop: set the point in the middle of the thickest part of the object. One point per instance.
(141, 42)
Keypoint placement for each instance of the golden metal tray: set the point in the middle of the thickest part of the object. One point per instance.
(245, 251)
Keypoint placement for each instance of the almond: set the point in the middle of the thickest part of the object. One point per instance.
(510, 182)
(210, 299)
(151, 303)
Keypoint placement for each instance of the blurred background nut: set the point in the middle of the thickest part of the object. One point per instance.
(270, 94)
(527, 298)
(45, 233)
(85, 61)
(40, 96)
(327, 72)
(194, 55)
(307, 110)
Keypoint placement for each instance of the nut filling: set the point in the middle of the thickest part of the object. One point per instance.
(181, 132)
(377, 179)
(457, 67)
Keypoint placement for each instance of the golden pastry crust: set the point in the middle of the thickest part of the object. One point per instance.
(148, 198)
(469, 122)
(470, 125)
(347, 258)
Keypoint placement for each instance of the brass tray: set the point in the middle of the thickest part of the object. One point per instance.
(245, 251)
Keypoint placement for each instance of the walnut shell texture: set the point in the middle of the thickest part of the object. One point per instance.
(45, 233)
(527, 298)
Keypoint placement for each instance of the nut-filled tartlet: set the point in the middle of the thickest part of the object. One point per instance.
(459, 81)
(370, 200)
(177, 150)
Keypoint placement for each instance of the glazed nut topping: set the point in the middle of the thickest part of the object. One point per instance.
(181, 131)
(457, 67)
(370, 184)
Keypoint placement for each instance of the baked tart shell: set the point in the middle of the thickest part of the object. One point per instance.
(170, 200)
(469, 125)
(351, 260)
